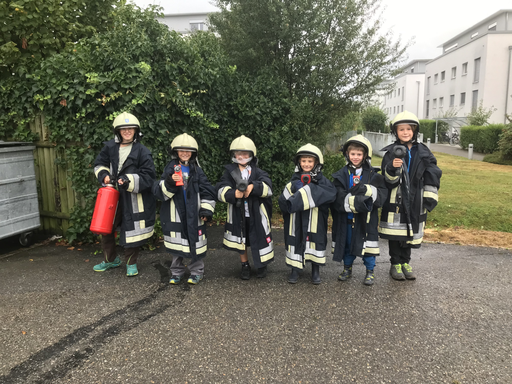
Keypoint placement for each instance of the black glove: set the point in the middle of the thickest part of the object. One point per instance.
(126, 182)
(206, 214)
(296, 185)
(169, 182)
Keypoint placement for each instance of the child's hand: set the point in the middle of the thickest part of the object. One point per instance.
(397, 163)
(176, 177)
(248, 190)
(238, 194)
(106, 180)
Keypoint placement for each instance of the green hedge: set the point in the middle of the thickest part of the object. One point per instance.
(428, 128)
(484, 139)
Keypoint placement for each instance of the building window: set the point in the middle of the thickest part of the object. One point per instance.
(403, 91)
(474, 102)
(442, 76)
(398, 91)
(412, 70)
(436, 77)
(464, 69)
(476, 77)
(441, 102)
(428, 85)
(197, 26)
(428, 104)
(394, 110)
(402, 108)
(434, 104)
(492, 27)
(452, 100)
(463, 98)
(454, 72)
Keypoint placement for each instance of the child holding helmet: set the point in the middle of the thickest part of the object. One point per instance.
(248, 190)
(413, 179)
(188, 203)
(360, 193)
(305, 205)
(125, 161)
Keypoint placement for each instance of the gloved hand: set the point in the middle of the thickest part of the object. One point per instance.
(169, 182)
(296, 185)
(208, 215)
(126, 182)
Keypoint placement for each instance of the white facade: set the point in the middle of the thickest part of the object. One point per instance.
(408, 90)
(475, 67)
(186, 23)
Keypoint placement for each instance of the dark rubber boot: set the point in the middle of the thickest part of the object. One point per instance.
(294, 276)
(246, 271)
(315, 274)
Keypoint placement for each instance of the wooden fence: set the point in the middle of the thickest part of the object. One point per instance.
(55, 193)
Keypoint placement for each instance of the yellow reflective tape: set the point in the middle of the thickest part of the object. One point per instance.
(140, 202)
(294, 263)
(305, 200)
(392, 198)
(416, 241)
(207, 206)
(177, 247)
(97, 172)
(368, 190)
(351, 203)
(371, 251)
(431, 195)
(232, 244)
(292, 222)
(137, 238)
(200, 251)
(314, 220)
(393, 232)
(392, 178)
(166, 192)
(132, 183)
(316, 259)
(265, 190)
(173, 212)
(223, 194)
(289, 188)
(267, 257)
(142, 224)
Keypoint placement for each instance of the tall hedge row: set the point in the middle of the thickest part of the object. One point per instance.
(173, 85)
(428, 128)
(484, 138)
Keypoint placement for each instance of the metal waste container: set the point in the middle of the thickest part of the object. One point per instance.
(19, 209)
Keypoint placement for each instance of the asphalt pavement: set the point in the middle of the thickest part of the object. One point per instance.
(455, 150)
(61, 322)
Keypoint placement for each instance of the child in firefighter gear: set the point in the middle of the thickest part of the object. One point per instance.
(188, 203)
(305, 205)
(360, 193)
(125, 161)
(248, 191)
(413, 179)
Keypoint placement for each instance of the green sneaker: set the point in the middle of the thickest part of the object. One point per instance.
(346, 274)
(370, 278)
(131, 270)
(396, 272)
(408, 273)
(194, 279)
(103, 266)
(175, 279)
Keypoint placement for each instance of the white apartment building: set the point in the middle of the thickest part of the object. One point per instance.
(408, 89)
(186, 23)
(475, 66)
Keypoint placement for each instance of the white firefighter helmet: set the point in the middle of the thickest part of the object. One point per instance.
(361, 141)
(126, 120)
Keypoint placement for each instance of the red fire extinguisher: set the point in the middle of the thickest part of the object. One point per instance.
(105, 210)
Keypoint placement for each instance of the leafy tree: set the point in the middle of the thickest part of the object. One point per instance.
(374, 119)
(480, 116)
(328, 52)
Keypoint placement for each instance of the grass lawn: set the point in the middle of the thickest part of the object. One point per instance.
(473, 195)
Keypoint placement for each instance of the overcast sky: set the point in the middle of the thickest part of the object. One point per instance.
(430, 23)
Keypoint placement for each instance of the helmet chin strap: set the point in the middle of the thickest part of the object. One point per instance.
(184, 162)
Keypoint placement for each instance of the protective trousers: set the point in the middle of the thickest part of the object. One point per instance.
(399, 254)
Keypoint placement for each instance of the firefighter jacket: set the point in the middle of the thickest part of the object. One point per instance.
(136, 203)
(362, 200)
(184, 230)
(305, 212)
(259, 204)
(411, 195)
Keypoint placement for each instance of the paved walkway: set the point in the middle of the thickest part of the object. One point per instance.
(63, 323)
(455, 150)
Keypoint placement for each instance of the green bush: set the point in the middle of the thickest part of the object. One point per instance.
(374, 119)
(428, 128)
(484, 138)
(505, 143)
(497, 158)
(333, 163)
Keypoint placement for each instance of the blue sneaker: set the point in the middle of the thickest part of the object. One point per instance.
(131, 270)
(175, 279)
(194, 279)
(103, 266)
